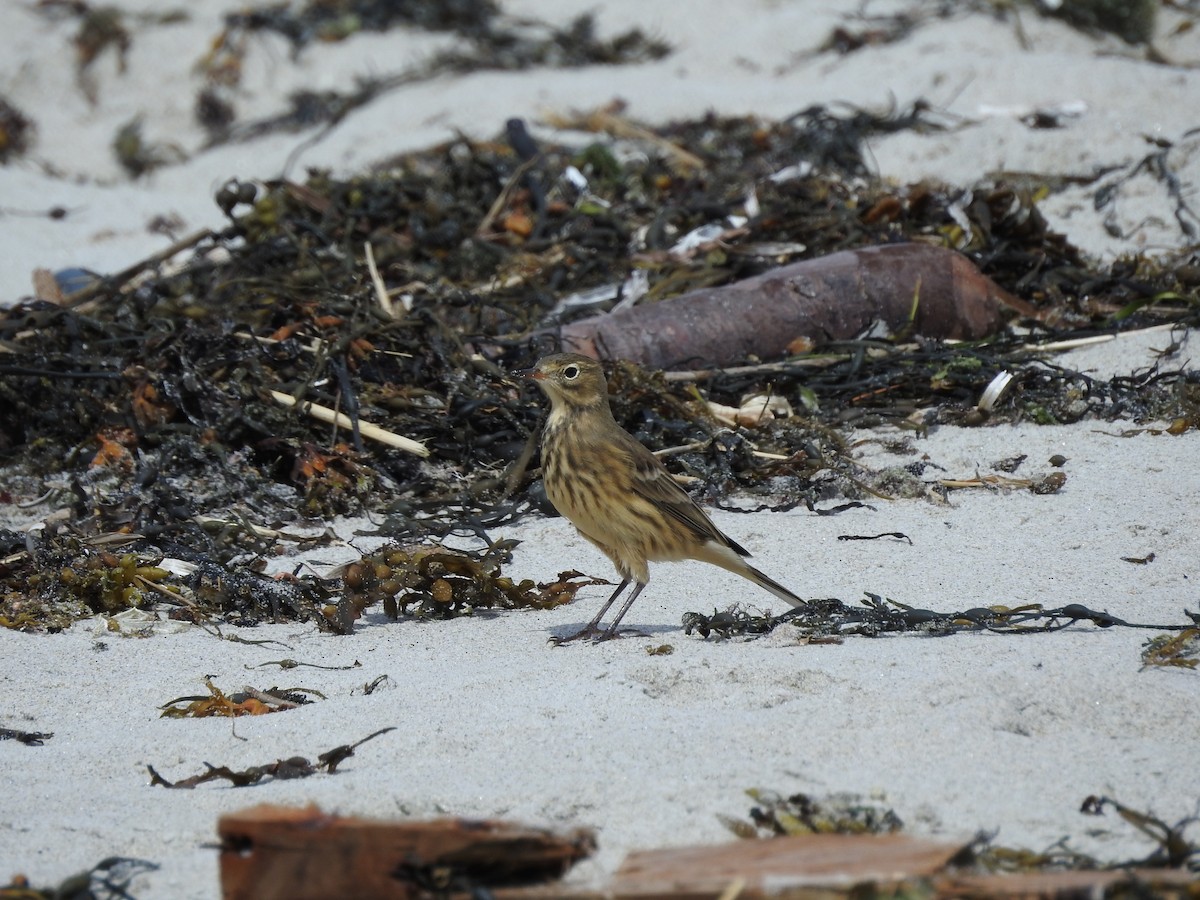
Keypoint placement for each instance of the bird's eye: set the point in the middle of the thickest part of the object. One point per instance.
(571, 373)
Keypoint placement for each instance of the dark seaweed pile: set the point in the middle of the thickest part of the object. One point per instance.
(174, 367)
(143, 400)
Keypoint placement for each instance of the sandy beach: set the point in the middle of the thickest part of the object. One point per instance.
(957, 734)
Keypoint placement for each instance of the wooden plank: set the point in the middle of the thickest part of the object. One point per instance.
(285, 853)
(1055, 885)
(806, 865)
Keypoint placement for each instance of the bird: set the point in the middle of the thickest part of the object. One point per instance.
(616, 492)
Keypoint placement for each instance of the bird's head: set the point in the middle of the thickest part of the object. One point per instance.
(569, 380)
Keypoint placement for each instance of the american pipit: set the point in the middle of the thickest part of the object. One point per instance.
(617, 494)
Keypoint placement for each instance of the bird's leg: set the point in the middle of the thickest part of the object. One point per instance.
(612, 629)
(591, 629)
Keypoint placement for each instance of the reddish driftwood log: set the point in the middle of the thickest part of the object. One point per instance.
(1063, 885)
(827, 865)
(845, 865)
(830, 298)
(283, 853)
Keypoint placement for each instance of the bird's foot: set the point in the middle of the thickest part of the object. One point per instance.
(590, 633)
(596, 635)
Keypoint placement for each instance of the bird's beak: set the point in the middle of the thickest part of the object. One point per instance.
(529, 374)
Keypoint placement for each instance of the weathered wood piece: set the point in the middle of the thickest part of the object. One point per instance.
(285, 853)
(826, 865)
(933, 291)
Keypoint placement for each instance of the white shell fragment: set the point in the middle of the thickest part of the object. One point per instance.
(994, 391)
(754, 409)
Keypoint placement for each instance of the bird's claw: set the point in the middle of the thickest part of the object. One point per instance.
(597, 635)
(592, 633)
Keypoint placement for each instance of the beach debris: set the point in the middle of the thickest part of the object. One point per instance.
(910, 288)
(487, 40)
(373, 685)
(1174, 850)
(1158, 165)
(1131, 20)
(1179, 650)
(62, 575)
(991, 396)
(100, 28)
(436, 582)
(16, 132)
(868, 31)
(832, 618)
(365, 429)
(983, 868)
(139, 406)
(139, 156)
(895, 535)
(109, 879)
(28, 738)
(1050, 483)
(796, 814)
(59, 579)
(56, 575)
(1139, 560)
(270, 852)
(1009, 464)
(215, 112)
(295, 664)
(752, 410)
(246, 702)
(826, 865)
(282, 769)
(610, 119)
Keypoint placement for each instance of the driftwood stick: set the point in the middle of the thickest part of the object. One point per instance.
(78, 299)
(390, 308)
(366, 429)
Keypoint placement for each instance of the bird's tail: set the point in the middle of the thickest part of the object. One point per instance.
(766, 581)
(726, 555)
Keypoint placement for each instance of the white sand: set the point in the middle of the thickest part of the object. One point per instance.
(956, 734)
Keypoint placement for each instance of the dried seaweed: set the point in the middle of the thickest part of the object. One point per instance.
(804, 814)
(100, 28)
(109, 879)
(282, 769)
(61, 575)
(65, 575)
(28, 738)
(246, 702)
(138, 155)
(1156, 164)
(433, 582)
(295, 664)
(1173, 850)
(831, 619)
(491, 41)
(16, 132)
(1178, 650)
(1131, 20)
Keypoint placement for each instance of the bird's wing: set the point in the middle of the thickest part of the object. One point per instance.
(651, 481)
